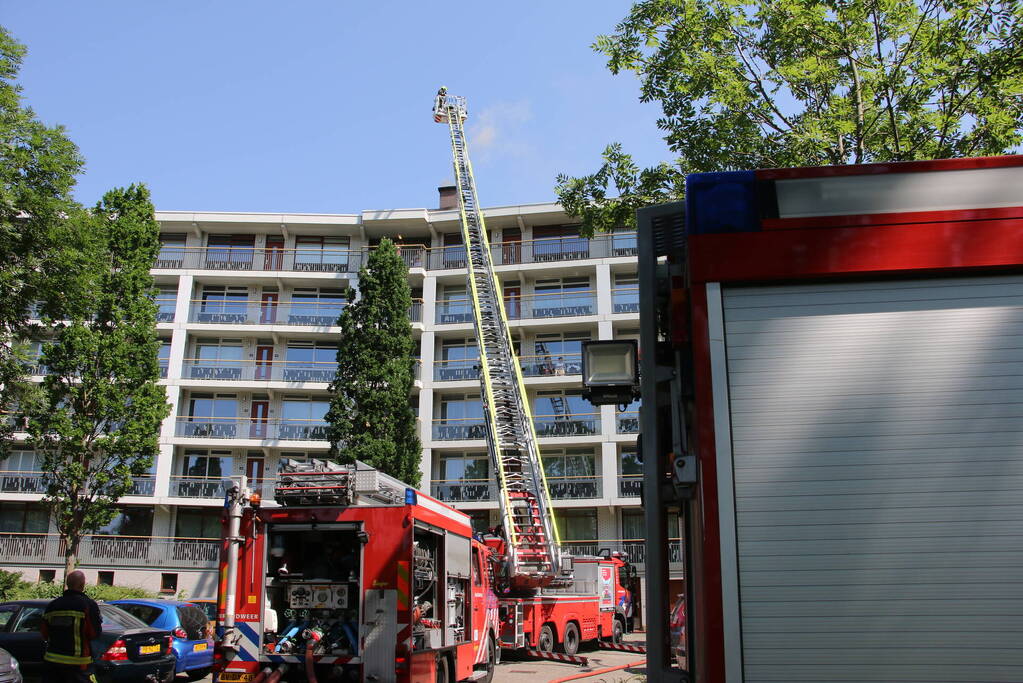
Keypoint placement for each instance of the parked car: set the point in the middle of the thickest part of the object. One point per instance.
(128, 650)
(193, 644)
(10, 671)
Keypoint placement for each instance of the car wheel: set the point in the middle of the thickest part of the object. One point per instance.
(546, 641)
(491, 661)
(570, 642)
(442, 670)
(198, 674)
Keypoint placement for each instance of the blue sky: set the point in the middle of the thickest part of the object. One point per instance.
(324, 106)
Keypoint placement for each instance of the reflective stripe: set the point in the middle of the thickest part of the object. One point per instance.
(58, 658)
(64, 613)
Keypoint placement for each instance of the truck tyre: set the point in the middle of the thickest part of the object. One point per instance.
(546, 641)
(617, 632)
(570, 643)
(491, 661)
(442, 670)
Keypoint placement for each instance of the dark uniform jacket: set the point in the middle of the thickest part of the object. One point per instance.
(69, 624)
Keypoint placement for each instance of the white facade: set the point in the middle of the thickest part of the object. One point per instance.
(247, 305)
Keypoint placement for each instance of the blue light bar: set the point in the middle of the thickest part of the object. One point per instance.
(410, 497)
(723, 202)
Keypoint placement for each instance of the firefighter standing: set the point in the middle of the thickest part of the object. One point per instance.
(69, 624)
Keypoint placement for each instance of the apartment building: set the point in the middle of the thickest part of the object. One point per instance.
(247, 306)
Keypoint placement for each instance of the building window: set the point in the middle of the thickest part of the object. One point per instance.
(630, 475)
(213, 415)
(561, 297)
(556, 354)
(559, 243)
(459, 359)
(453, 305)
(47, 575)
(303, 418)
(461, 417)
(129, 521)
(310, 361)
(578, 529)
(23, 518)
(166, 301)
(571, 473)
(316, 306)
(163, 356)
(324, 254)
(104, 578)
(217, 359)
(480, 520)
(230, 252)
(172, 251)
(168, 583)
(197, 523)
(625, 295)
(564, 413)
(463, 477)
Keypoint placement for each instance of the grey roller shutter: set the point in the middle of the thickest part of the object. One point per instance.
(877, 447)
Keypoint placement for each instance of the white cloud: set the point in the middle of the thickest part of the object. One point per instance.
(500, 131)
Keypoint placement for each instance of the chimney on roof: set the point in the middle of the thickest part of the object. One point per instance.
(448, 197)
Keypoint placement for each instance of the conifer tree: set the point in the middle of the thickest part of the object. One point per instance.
(370, 417)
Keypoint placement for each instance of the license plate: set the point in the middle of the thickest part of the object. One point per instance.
(236, 676)
(198, 647)
(149, 649)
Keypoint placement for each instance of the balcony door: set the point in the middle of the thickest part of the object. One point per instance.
(254, 468)
(268, 308)
(273, 255)
(264, 362)
(512, 300)
(259, 415)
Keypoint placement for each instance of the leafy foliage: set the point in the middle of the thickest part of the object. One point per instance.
(370, 418)
(97, 420)
(748, 84)
(13, 587)
(40, 249)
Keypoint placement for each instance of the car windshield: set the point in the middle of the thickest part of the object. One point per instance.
(147, 613)
(113, 615)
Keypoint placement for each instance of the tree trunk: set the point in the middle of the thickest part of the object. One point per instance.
(71, 554)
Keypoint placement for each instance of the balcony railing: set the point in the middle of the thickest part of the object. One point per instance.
(252, 312)
(165, 309)
(112, 551)
(581, 424)
(228, 370)
(456, 370)
(453, 311)
(20, 481)
(262, 259)
(415, 311)
(634, 548)
(464, 490)
(546, 250)
(445, 258)
(248, 428)
(197, 487)
(625, 300)
(573, 488)
(459, 428)
(551, 305)
(630, 485)
(551, 365)
(627, 422)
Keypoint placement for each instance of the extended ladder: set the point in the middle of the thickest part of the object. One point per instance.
(534, 550)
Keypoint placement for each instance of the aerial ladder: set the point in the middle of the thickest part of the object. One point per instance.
(533, 556)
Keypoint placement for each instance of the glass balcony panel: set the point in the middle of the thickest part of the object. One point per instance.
(630, 485)
(559, 305)
(456, 370)
(627, 422)
(567, 425)
(13, 481)
(551, 365)
(459, 429)
(625, 300)
(573, 488)
(197, 487)
(210, 427)
(451, 311)
(415, 311)
(464, 490)
(302, 430)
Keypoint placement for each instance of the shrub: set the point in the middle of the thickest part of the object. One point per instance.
(12, 587)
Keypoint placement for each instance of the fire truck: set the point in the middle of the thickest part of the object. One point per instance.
(353, 575)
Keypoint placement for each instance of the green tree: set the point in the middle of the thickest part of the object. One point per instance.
(779, 83)
(370, 418)
(40, 245)
(97, 419)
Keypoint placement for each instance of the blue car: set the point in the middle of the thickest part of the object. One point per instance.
(192, 645)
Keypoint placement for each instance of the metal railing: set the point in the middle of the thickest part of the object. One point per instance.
(310, 260)
(464, 490)
(251, 428)
(254, 312)
(415, 311)
(197, 487)
(627, 422)
(165, 309)
(630, 485)
(21, 481)
(112, 551)
(581, 424)
(459, 428)
(625, 300)
(574, 488)
(633, 548)
(551, 365)
(456, 370)
(552, 305)
(229, 370)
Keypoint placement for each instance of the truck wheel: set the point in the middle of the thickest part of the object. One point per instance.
(442, 670)
(546, 640)
(491, 661)
(617, 632)
(571, 639)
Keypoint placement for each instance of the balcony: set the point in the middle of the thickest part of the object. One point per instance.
(582, 424)
(553, 305)
(165, 309)
(112, 551)
(627, 422)
(20, 481)
(459, 369)
(625, 300)
(573, 488)
(252, 370)
(247, 428)
(564, 249)
(630, 485)
(454, 311)
(464, 490)
(197, 487)
(446, 258)
(254, 312)
(551, 365)
(261, 259)
(459, 429)
(634, 549)
(415, 311)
